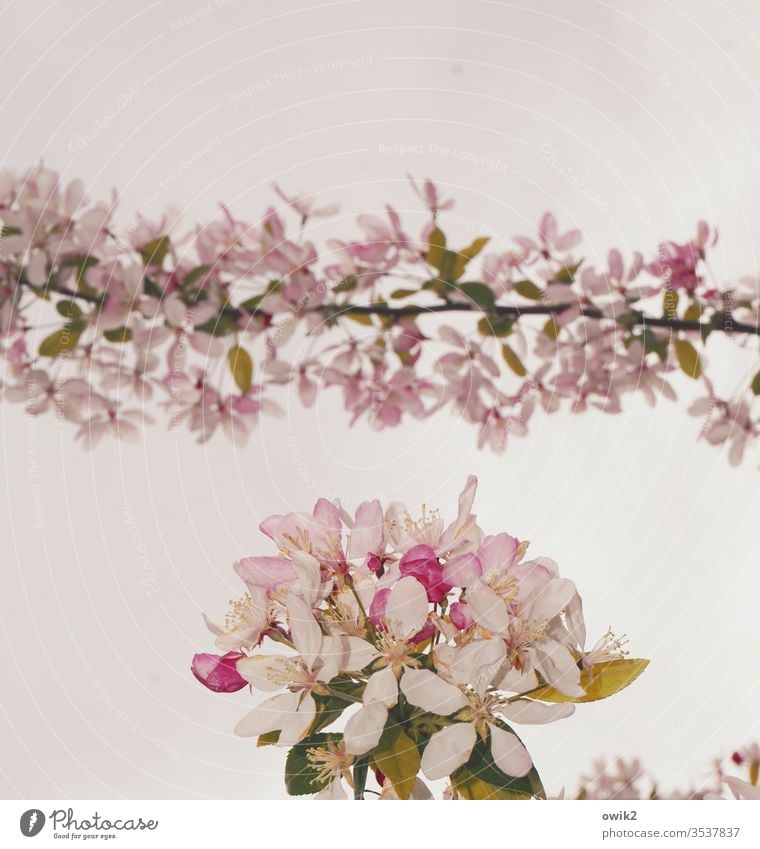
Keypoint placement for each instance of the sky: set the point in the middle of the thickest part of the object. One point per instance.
(630, 121)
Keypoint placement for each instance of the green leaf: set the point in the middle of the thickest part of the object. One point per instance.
(512, 360)
(241, 367)
(398, 758)
(670, 304)
(119, 334)
(271, 738)
(481, 294)
(329, 708)
(397, 294)
(347, 284)
(63, 339)
(154, 252)
(551, 328)
(496, 325)
(654, 344)
(360, 772)
(599, 681)
(359, 318)
(68, 309)
(688, 358)
(301, 776)
(193, 275)
(220, 325)
(480, 778)
(567, 275)
(756, 384)
(462, 257)
(529, 290)
(436, 248)
(152, 289)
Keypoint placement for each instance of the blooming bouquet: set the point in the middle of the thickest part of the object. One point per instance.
(105, 328)
(428, 641)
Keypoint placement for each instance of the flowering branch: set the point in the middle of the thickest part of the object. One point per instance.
(100, 329)
(426, 641)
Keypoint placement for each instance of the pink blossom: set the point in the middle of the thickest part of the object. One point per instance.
(219, 672)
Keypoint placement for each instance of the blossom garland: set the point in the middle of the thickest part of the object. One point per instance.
(94, 325)
(427, 641)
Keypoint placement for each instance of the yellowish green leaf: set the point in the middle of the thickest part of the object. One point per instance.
(756, 384)
(551, 328)
(399, 761)
(241, 366)
(693, 312)
(359, 318)
(602, 680)
(688, 358)
(63, 339)
(512, 360)
(436, 248)
(529, 290)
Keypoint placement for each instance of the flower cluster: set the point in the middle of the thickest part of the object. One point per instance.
(736, 777)
(101, 328)
(426, 641)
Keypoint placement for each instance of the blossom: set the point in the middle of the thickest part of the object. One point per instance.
(427, 638)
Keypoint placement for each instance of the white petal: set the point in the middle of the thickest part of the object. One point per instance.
(296, 725)
(558, 666)
(382, 687)
(333, 791)
(477, 663)
(553, 598)
(518, 682)
(407, 607)
(536, 713)
(448, 749)
(424, 689)
(306, 633)
(268, 716)
(309, 578)
(364, 729)
(508, 753)
(488, 609)
(264, 671)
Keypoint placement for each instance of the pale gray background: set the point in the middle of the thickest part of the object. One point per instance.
(658, 531)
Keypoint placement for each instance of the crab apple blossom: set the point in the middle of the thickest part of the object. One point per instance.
(198, 326)
(395, 644)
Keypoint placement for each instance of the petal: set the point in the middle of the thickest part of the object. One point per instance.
(304, 629)
(382, 687)
(487, 608)
(264, 671)
(296, 725)
(309, 578)
(407, 607)
(265, 572)
(498, 553)
(509, 754)
(529, 712)
(477, 663)
(424, 689)
(448, 749)
(268, 716)
(364, 729)
(368, 533)
(558, 666)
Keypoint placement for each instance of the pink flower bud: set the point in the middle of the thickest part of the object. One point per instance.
(219, 673)
(461, 617)
(421, 563)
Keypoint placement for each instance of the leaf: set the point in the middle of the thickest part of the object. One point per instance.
(688, 358)
(654, 344)
(359, 318)
(480, 778)
(81, 264)
(567, 275)
(241, 366)
(154, 252)
(496, 325)
(670, 304)
(602, 680)
(436, 248)
(512, 360)
(756, 384)
(301, 776)
(693, 312)
(119, 334)
(347, 284)
(481, 294)
(398, 758)
(551, 328)
(329, 708)
(463, 256)
(68, 309)
(63, 339)
(360, 772)
(397, 294)
(269, 739)
(529, 290)
(152, 289)
(220, 325)
(193, 275)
